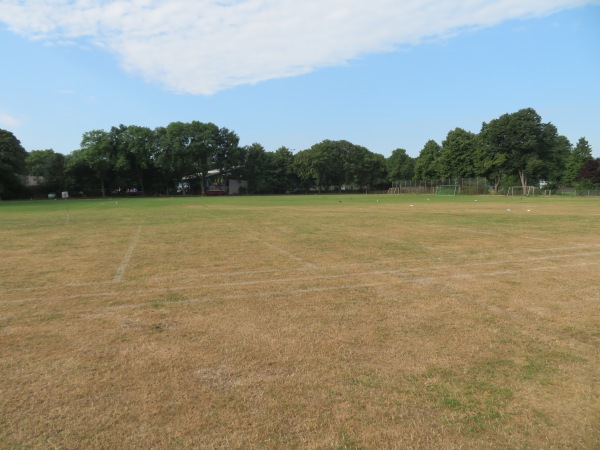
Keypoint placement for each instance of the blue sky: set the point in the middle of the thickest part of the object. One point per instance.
(278, 74)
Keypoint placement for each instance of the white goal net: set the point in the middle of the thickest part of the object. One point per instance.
(521, 190)
(450, 189)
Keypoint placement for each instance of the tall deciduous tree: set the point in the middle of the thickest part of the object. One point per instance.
(363, 169)
(165, 159)
(49, 165)
(577, 158)
(558, 149)
(457, 155)
(400, 166)
(426, 162)
(97, 151)
(198, 147)
(589, 174)
(284, 177)
(304, 169)
(489, 159)
(12, 160)
(337, 163)
(79, 176)
(228, 155)
(193, 146)
(524, 139)
(257, 169)
(328, 164)
(136, 146)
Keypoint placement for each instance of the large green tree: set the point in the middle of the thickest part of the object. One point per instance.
(304, 169)
(426, 163)
(363, 169)
(489, 160)
(228, 155)
(134, 147)
(165, 160)
(284, 177)
(557, 154)
(97, 151)
(80, 178)
(193, 146)
(333, 164)
(400, 166)
(49, 165)
(257, 169)
(196, 148)
(12, 161)
(328, 164)
(457, 155)
(589, 175)
(526, 142)
(577, 158)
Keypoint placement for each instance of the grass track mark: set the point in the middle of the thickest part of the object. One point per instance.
(123, 266)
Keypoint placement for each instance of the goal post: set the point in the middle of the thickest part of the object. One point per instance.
(447, 189)
(521, 191)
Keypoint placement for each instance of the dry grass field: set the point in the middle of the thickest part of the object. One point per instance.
(333, 322)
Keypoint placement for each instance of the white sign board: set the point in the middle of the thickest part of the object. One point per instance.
(65, 194)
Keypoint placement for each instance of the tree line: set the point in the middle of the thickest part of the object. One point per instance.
(517, 146)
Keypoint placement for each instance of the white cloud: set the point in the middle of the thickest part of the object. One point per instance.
(203, 46)
(8, 121)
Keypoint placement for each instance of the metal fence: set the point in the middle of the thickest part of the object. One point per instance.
(467, 186)
(572, 192)
(480, 186)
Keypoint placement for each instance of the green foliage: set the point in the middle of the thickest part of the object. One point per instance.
(257, 169)
(576, 160)
(47, 164)
(560, 149)
(426, 164)
(457, 155)
(515, 145)
(97, 154)
(400, 166)
(530, 146)
(337, 164)
(12, 162)
(303, 168)
(284, 178)
(589, 175)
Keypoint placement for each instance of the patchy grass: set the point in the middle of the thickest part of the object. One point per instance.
(354, 321)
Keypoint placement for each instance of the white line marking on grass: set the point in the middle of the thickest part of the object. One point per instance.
(121, 269)
(338, 268)
(399, 241)
(265, 294)
(283, 252)
(400, 277)
(265, 243)
(462, 230)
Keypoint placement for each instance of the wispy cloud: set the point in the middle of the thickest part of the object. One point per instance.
(204, 46)
(8, 121)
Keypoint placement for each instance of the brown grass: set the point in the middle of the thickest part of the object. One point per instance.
(301, 323)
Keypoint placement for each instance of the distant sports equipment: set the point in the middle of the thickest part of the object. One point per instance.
(520, 190)
(450, 189)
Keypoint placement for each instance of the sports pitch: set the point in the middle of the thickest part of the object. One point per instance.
(336, 321)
